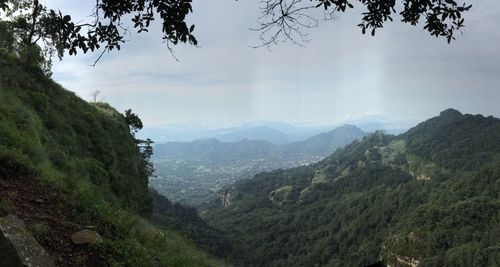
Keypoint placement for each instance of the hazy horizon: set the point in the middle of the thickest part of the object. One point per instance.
(340, 75)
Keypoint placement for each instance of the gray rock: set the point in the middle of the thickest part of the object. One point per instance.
(86, 236)
(18, 247)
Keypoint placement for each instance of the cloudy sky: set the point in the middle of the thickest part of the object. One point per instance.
(340, 74)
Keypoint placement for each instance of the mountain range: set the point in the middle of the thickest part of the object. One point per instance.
(216, 151)
(275, 132)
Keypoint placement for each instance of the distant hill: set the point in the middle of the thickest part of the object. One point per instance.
(256, 133)
(271, 131)
(325, 144)
(215, 151)
(275, 132)
(428, 197)
(191, 172)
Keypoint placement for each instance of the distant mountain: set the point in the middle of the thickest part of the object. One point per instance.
(428, 197)
(215, 151)
(278, 125)
(191, 172)
(255, 133)
(275, 132)
(325, 143)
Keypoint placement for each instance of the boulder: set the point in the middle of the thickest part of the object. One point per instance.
(18, 247)
(86, 236)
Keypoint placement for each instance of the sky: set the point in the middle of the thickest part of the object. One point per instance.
(339, 75)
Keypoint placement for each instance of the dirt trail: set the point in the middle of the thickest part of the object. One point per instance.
(49, 210)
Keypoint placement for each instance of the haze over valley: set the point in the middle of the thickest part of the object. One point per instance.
(194, 172)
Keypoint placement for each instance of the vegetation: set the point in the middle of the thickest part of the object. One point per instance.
(284, 20)
(184, 219)
(87, 151)
(60, 33)
(429, 196)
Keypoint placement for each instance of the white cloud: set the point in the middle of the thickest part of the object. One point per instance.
(401, 71)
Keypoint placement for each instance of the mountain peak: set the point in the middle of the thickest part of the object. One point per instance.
(450, 113)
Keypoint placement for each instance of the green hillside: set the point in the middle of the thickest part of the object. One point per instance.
(429, 197)
(84, 168)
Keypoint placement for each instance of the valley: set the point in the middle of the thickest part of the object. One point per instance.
(193, 172)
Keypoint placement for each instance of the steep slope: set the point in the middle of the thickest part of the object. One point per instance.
(429, 197)
(191, 172)
(185, 220)
(67, 165)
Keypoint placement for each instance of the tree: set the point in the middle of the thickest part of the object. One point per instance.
(133, 121)
(285, 20)
(94, 95)
(146, 148)
(7, 39)
(281, 20)
(107, 27)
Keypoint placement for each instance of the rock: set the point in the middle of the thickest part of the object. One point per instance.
(226, 196)
(18, 247)
(86, 236)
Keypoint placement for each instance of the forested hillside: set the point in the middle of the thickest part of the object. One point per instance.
(428, 197)
(68, 165)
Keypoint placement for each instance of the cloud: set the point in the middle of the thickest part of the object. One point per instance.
(401, 71)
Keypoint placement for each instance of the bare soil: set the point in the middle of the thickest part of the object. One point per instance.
(49, 214)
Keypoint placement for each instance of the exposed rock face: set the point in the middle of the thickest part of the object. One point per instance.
(86, 236)
(421, 177)
(18, 247)
(404, 261)
(226, 196)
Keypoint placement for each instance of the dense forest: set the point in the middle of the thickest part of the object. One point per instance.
(428, 197)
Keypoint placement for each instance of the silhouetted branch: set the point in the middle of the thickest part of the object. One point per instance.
(288, 20)
(285, 20)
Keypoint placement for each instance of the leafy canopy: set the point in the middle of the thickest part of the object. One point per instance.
(281, 20)
(285, 20)
(107, 27)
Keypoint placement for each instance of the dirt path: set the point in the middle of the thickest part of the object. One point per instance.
(50, 215)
